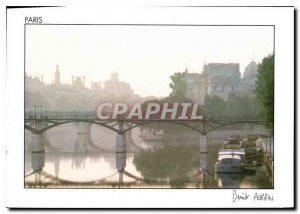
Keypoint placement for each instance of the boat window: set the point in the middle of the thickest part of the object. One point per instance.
(230, 161)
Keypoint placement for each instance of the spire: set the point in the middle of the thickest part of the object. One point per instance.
(57, 76)
(186, 70)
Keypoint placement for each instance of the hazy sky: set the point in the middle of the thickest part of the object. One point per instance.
(144, 56)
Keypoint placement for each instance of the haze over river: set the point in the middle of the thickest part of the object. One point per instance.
(83, 156)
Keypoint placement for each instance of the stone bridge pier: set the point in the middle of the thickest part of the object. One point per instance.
(121, 140)
(203, 153)
(37, 161)
(121, 143)
(38, 139)
(120, 155)
(203, 160)
(121, 164)
(38, 142)
(121, 152)
(37, 155)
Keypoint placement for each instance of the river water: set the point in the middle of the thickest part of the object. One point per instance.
(83, 156)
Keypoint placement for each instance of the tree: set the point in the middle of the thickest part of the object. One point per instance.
(178, 86)
(233, 106)
(265, 88)
(215, 106)
(242, 106)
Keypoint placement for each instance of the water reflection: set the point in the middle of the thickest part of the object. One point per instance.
(37, 161)
(71, 162)
(229, 180)
(177, 164)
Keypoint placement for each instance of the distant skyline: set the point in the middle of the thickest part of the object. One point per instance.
(144, 56)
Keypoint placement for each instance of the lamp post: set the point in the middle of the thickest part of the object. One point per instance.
(41, 111)
(203, 149)
(203, 119)
(35, 122)
(34, 111)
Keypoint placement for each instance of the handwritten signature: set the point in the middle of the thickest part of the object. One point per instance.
(244, 196)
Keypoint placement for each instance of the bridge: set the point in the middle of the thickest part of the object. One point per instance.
(40, 122)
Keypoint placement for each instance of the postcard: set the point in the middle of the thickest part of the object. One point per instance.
(150, 107)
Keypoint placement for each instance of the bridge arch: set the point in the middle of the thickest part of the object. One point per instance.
(104, 180)
(216, 125)
(34, 131)
(104, 124)
(236, 122)
(165, 121)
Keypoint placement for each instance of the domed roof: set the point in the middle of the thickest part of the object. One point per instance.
(250, 70)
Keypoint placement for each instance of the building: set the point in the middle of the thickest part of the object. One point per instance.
(57, 76)
(74, 95)
(118, 88)
(96, 86)
(114, 77)
(34, 83)
(194, 87)
(78, 82)
(220, 79)
(248, 82)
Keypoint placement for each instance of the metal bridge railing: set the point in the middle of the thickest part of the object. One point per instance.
(235, 118)
(90, 115)
(61, 115)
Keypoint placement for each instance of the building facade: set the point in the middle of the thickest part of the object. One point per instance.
(221, 79)
(248, 82)
(57, 76)
(116, 87)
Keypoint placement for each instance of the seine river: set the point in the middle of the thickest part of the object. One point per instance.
(83, 156)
